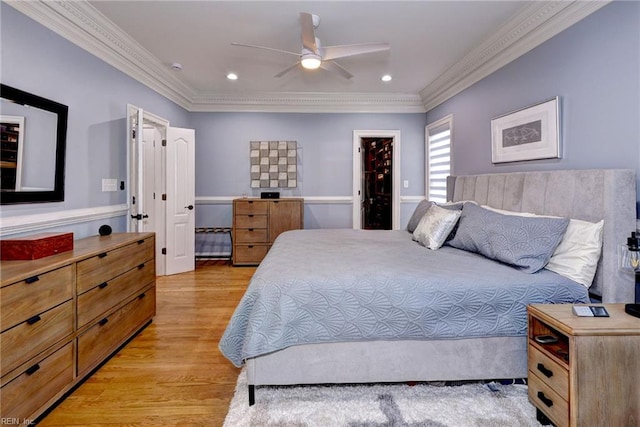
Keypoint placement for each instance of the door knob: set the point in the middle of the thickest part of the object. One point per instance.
(190, 207)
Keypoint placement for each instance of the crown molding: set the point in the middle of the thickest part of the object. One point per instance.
(83, 25)
(309, 102)
(530, 27)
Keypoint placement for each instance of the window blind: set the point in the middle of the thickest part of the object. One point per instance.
(438, 159)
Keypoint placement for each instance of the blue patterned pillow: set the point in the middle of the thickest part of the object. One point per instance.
(527, 243)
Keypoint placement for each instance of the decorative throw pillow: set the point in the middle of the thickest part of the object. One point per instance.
(435, 226)
(418, 213)
(576, 256)
(527, 243)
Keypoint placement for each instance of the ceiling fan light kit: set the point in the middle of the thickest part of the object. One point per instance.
(312, 56)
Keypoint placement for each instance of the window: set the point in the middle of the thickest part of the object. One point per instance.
(438, 158)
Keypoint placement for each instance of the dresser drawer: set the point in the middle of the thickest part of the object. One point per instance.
(244, 207)
(251, 221)
(103, 297)
(250, 254)
(549, 371)
(23, 300)
(251, 235)
(27, 339)
(106, 335)
(41, 382)
(107, 265)
(549, 402)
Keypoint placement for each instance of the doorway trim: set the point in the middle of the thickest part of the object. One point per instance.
(358, 135)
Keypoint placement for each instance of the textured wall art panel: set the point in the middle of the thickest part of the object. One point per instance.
(274, 164)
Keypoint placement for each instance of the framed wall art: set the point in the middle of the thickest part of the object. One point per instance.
(528, 134)
(274, 164)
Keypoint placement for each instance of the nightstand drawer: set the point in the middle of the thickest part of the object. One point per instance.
(244, 207)
(40, 382)
(252, 235)
(548, 401)
(25, 299)
(252, 254)
(27, 339)
(251, 221)
(549, 371)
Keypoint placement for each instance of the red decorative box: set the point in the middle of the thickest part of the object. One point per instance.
(36, 246)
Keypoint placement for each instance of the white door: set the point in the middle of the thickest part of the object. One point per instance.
(151, 144)
(134, 167)
(180, 202)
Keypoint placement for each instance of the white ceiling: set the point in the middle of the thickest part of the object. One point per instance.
(437, 47)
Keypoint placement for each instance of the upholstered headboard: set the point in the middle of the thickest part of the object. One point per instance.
(590, 195)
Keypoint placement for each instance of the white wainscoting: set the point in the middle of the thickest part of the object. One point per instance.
(38, 222)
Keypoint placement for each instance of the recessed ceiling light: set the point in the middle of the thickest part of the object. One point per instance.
(232, 76)
(176, 66)
(386, 78)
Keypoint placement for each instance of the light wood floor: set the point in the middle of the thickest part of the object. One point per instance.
(172, 373)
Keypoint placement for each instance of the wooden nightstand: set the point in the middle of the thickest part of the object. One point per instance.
(591, 375)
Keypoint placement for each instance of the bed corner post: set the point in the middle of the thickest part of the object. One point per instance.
(252, 394)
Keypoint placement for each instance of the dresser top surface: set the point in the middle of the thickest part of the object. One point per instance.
(13, 271)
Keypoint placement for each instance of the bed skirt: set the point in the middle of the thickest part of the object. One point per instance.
(392, 361)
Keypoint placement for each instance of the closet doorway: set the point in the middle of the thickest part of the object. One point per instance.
(376, 202)
(161, 188)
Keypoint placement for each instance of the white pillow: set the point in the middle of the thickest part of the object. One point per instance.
(577, 254)
(435, 226)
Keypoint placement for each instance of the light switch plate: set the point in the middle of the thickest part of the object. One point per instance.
(109, 184)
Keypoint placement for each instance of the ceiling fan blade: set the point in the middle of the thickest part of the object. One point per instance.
(307, 32)
(286, 70)
(335, 52)
(265, 48)
(335, 67)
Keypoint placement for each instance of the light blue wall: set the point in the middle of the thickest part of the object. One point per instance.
(594, 66)
(36, 60)
(325, 156)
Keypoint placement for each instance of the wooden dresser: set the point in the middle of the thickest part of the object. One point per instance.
(257, 223)
(590, 376)
(63, 315)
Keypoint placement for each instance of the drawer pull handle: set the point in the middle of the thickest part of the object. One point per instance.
(34, 319)
(32, 370)
(250, 229)
(250, 216)
(250, 246)
(545, 399)
(32, 279)
(103, 322)
(140, 242)
(250, 202)
(141, 266)
(102, 255)
(142, 296)
(103, 285)
(546, 372)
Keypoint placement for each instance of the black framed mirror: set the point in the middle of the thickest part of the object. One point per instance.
(33, 132)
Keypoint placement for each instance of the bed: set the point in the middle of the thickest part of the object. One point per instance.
(364, 306)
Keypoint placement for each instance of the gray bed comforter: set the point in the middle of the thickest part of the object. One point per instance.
(317, 286)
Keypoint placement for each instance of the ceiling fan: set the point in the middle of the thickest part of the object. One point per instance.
(313, 55)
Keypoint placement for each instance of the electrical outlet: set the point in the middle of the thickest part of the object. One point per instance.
(406, 183)
(109, 184)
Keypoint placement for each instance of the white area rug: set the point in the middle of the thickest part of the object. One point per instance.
(424, 405)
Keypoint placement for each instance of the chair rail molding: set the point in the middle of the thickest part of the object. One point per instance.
(42, 221)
